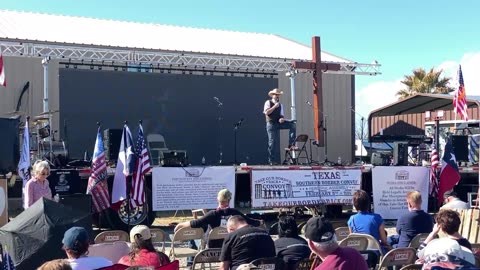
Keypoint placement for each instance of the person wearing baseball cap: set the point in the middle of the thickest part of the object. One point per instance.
(275, 117)
(142, 251)
(323, 242)
(75, 243)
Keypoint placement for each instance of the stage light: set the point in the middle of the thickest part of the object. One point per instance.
(91, 66)
(75, 66)
(169, 71)
(162, 71)
(99, 67)
(115, 68)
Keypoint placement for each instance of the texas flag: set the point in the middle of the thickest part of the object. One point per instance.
(449, 175)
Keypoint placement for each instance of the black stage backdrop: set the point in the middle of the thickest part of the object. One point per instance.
(182, 108)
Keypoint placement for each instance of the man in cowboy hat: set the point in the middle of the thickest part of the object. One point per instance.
(275, 118)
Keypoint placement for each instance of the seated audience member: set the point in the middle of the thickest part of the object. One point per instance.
(414, 222)
(322, 241)
(59, 264)
(142, 251)
(75, 243)
(244, 244)
(217, 217)
(453, 202)
(446, 253)
(447, 221)
(365, 221)
(290, 247)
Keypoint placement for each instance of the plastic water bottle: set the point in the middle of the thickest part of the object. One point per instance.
(56, 198)
(203, 160)
(339, 160)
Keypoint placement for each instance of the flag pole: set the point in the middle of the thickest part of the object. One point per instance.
(128, 178)
(144, 184)
(99, 213)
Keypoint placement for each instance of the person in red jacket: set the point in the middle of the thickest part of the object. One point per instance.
(142, 251)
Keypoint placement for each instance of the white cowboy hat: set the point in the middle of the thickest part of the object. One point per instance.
(275, 91)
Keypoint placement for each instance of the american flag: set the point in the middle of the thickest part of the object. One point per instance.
(460, 100)
(142, 167)
(2, 72)
(7, 262)
(97, 183)
(433, 170)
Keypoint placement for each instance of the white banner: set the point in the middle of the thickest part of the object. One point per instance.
(282, 188)
(183, 188)
(391, 185)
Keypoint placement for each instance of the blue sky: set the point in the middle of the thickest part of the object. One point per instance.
(401, 35)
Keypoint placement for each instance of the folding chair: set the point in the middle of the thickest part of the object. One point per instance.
(217, 233)
(272, 263)
(112, 251)
(293, 155)
(358, 242)
(111, 236)
(342, 233)
(305, 264)
(185, 235)
(417, 240)
(158, 239)
(371, 257)
(209, 255)
(398, 257)
(373, 244)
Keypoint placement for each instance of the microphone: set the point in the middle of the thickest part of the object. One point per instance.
(308, 102)
(239, 123)
(218, 100)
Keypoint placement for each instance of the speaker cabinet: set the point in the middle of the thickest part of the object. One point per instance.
(400, 154)
(111, 140)
(80, 202)
(460, 147)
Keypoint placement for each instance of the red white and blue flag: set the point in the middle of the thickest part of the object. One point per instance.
(433, 170)
(460, 100)
(97, 183)
(125, 168)
(142, 167)
(449, 174)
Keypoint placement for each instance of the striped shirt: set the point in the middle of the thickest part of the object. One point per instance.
(34, 190)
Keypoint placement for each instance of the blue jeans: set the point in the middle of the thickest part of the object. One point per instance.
(273, 132)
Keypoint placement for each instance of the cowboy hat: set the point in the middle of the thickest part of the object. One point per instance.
(275, 91)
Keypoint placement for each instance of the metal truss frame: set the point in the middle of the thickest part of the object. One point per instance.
(133, 56)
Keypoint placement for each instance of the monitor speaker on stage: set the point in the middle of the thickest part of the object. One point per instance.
(111, 140)
(460, 147)
(400, 154)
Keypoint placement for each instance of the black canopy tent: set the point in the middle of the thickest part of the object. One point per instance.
(35, 236)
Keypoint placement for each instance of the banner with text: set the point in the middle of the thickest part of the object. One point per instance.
(183, 188)
(281, 188)
(391, 185)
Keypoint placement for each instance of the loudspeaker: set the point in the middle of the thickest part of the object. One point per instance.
(111, 140)
(400, 154)
(460, 147)
(9, 145)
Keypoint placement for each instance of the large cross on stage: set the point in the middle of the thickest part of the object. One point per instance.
(317, 67)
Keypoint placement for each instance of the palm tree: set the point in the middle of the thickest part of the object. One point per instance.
(424, 82)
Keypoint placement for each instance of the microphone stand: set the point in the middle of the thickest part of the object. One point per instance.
(219, 124)
(236, 126)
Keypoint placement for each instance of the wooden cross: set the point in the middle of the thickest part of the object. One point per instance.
(317, 67)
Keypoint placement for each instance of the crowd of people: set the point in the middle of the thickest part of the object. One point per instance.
(248, 239)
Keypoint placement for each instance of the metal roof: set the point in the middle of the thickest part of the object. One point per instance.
(420, 103)
(29, 26)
